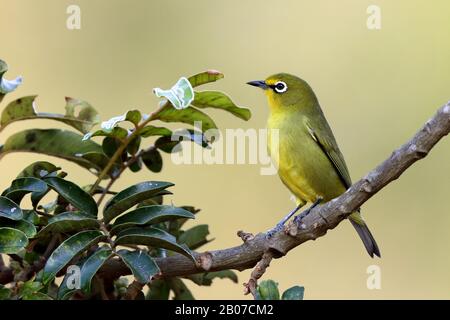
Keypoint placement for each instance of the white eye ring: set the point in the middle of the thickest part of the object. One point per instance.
(280, 87)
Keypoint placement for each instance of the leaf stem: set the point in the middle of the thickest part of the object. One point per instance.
(122, 148)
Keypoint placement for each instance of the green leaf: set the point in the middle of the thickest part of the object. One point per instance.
(189, 115)
(21, 186)
(23, 225)
(134, 116)
(68, 250)
(154, 200)
(195, 237)
(87, 115)
(37, 296)
(9, 209)
(150, 131)
(29, 288)
(131, 196)
(158, 290)
(25, 108)
(219, 100)
(268, 290)
(133, 146)
(149, 215)
(101, 160)
(5, 293)
(206, 279)
(12, 240)
(76, 196)
(31, 216)
(205, 77)
(153, 160)
(154, 237)
(180, 290)
(68, 222)
(167, 145)
(117, 132)
(294, 293)
(58, 143)
(38, 169)
(140, 263)
(110, 146)
(92, 265)
(136, 165)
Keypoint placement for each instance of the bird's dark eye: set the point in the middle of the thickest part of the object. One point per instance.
(280, 87)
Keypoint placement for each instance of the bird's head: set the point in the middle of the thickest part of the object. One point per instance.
(285, 91)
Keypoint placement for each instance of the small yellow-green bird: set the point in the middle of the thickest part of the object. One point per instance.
(309, 161)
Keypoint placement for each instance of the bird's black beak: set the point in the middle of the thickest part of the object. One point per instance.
(259, 83)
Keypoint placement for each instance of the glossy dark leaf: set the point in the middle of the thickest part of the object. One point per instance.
(91, 266)
(140, 263)
(153, 160)
(9, 209)
(110, 145)
(195, 237)
(136, 165)
(168, 145)
(68, 222)
(157, 199)
(180, 290)
(38, 169)
(67, 250)
(158, 290)
(133, 146)
(21, 186)
(131, 196)
(23, 225)
(206, 279)
(58, 143)
(12, 240)
(154, 237)
(101, 161)
(294, 293)
(76, 196)
(150, 215)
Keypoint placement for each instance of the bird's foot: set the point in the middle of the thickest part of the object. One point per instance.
(270, 233)
(298, 219)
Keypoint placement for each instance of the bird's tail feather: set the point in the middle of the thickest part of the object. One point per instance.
(366, 237)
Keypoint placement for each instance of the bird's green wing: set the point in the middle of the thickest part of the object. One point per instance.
(321, 133)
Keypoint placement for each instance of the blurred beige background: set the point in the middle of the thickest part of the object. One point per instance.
(377, 87)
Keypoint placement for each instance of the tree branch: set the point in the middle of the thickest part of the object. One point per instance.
(316, 224)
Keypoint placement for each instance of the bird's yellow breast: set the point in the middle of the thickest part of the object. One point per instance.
(302, 165)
